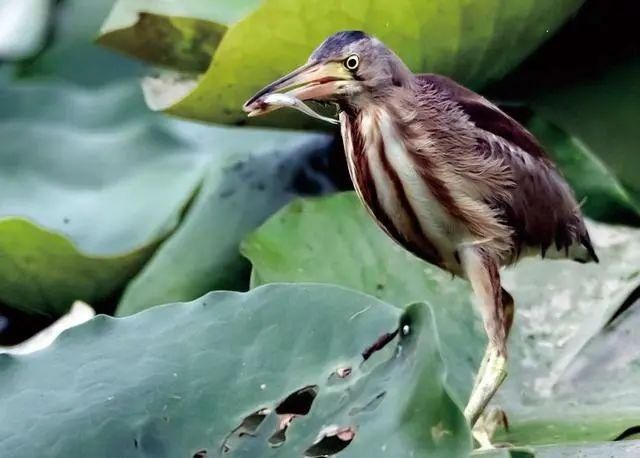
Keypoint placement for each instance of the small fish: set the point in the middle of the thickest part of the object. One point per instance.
(275, 100)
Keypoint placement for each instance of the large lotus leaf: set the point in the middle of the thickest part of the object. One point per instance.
(246, 183)
(602, 195)
(568, 316)
(88, 185)
(222, 375)
(602, 112)
(44, 272)
(561, 308)
(594, 395)
(461, 39)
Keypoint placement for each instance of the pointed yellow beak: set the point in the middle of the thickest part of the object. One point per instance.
(314, 81)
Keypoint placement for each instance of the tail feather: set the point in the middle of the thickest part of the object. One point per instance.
(585, 240)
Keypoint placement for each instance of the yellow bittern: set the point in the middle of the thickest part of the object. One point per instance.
(445, 173)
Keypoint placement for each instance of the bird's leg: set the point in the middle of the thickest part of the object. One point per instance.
(508, 310)
(491, 380)
(480, 433)
(482, 271)
(488, 423)
(483, 367)
(489, 420)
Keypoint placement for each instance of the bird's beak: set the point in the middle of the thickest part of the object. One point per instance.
(313, 81)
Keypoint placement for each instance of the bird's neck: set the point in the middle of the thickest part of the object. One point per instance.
(376, 123)
(355, 107)
(400, 118)
(395, 104)
(425, 120)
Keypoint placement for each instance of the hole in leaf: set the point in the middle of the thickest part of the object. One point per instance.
(298, 403)
(343, 372)
(200, 454)
(295, 405)
(379, 344)
(247, 427)
(251, 423)
(280, 436)
(339, 375)
(330, 441)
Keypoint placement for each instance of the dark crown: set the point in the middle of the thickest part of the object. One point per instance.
(336, 42)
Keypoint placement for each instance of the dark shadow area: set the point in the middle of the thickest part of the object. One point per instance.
(602, 34)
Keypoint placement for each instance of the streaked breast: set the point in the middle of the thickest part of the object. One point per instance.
(392, 189)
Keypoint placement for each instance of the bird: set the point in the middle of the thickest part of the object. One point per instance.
(445, 173)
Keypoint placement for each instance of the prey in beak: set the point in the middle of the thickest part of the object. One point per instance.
(318, 81)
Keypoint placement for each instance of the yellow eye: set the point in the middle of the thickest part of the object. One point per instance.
(352, 62)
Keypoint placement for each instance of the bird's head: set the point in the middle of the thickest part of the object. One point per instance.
(348, 68)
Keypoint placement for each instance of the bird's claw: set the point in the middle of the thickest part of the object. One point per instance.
(486, 426)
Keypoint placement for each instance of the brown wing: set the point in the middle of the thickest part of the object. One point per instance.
(485, 114)
(542, 209)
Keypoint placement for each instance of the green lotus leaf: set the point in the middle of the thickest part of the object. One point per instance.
(251, 44)
(568, 316)
(250, 178)
(282, 371)
(89, 184)
(44, 272)
(600, 191)
(602, 113)
(562, 309)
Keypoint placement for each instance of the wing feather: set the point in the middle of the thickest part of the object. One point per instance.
(541, 208)
(485, 114)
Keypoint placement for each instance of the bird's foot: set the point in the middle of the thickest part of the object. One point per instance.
(486, 427)
(486, 386)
